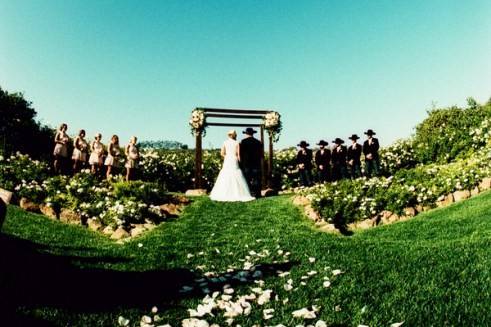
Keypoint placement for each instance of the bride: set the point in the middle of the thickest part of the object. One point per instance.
(231, 184)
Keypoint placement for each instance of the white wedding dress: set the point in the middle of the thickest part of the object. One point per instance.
(231, 184)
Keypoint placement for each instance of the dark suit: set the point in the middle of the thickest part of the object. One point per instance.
(338, 159)
(353, 159)
(371, 165)
(251, 153)
(304, 157)
(323, 158)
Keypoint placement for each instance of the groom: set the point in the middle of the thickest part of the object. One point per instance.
(251, 153)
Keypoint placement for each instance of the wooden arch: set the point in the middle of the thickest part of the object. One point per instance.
(255, 116)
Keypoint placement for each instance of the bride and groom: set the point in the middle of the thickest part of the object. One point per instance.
(240, 176)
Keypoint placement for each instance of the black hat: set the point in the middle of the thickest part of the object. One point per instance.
(249, 131)
(338, 141)
(322, 142)
(354, 137)
(370, 132)
(303, 144)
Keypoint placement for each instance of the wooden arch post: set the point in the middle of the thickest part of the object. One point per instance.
(270, 162)
(255, 115)
(198, 173)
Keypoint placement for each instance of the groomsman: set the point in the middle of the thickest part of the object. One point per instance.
(323, 161)
(304, 162)
(338, 159)
(370, 150)
(353, 157)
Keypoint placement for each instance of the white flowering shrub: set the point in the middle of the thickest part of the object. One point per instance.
(285, 170)
(20, 169)
(451, 133)
(123, 212)
(32, 190)
(396, 156)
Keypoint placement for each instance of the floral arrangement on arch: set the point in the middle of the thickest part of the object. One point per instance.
(197, 121)
(272, 124)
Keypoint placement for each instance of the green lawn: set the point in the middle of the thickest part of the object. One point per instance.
(433, 270)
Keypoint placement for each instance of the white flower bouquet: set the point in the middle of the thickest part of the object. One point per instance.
(197, 121)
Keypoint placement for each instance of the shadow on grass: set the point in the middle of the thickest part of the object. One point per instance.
(32, 279)
(340, 224)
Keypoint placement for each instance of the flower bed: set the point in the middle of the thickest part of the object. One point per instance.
(420, 187)
(115, 203)
(84, 199)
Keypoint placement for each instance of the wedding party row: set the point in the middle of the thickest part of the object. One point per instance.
(109, 157)
(340, 161)
(459, 166)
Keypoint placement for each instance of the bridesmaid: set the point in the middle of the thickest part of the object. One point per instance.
(61, 148)
(97, 151)
(80, 149)
(132, 155)
(113, 153)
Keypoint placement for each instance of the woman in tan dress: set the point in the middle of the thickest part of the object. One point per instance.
(96, 155)
(132, 156)
(80, 150)
(113, 153)
(61, 148)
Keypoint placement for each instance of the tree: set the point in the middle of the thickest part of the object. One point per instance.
(19, 131)
(472, 103)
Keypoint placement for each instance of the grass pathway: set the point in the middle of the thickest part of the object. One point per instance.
(433, 270)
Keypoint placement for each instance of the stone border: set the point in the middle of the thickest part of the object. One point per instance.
(387, 217)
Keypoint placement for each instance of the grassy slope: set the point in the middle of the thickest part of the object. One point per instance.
(431, 270)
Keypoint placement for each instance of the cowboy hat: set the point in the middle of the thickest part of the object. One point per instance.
(322, 142)
(370, 132)
(354, 137)
(303, 144)
(338, 141)
(249, 131)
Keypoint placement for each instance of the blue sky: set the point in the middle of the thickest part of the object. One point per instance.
(331, 68)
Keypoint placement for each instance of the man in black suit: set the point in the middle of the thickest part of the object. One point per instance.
(251, 153)
(304, 162)
(338, 159)
(323, 161)
(353, 157)
(370, 150)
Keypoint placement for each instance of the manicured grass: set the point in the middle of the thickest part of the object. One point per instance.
(433, 270)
